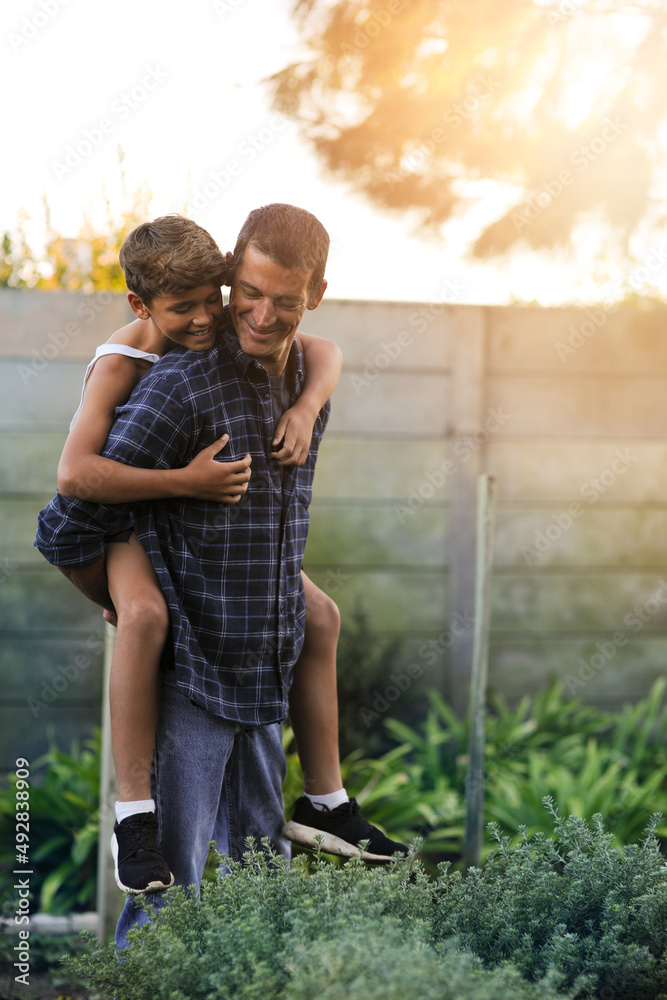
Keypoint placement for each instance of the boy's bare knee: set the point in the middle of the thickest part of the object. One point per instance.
(323, 616)
(145, 612)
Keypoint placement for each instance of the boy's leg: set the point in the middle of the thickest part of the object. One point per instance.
(214, 780)
(313, 698)
(143, 621)
(325, 810)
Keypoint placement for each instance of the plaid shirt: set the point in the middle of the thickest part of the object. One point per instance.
(231, 575)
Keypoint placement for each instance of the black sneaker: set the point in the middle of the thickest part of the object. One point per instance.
(139, 866)
(340, 829)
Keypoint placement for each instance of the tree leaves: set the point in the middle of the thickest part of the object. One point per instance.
(556, 107)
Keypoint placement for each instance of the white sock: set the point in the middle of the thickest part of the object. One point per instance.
(125, 809)
(330, 800)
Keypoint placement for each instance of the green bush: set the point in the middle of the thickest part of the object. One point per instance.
(264, 931)
(573, 903)
(589, 761)
(567, 916)
(365, 661)
(64, 827)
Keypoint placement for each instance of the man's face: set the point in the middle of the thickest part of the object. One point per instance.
(189, 319)
(266, 304)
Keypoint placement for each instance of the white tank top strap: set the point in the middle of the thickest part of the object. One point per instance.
(104, 349)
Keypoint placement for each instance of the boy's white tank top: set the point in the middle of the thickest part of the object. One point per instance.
(125, 350)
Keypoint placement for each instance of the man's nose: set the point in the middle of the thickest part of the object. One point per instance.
(264, 314)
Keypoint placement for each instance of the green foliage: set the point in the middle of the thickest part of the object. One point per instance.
(64, 827)
(47, 952)
(265, 931)
(417, 103)
(574, 903)
(562, 916)
(364, 663)
(87, 262)
(589, 761)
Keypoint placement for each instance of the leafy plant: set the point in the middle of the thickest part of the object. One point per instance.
(574, 903)
(590, 761)
(268, 931)
(565, 915)
(365, 662)
(64, 827)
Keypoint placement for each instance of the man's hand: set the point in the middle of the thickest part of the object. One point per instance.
(206, 479)
(291, 441)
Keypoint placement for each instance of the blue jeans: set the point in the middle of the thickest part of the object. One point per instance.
(213, 780)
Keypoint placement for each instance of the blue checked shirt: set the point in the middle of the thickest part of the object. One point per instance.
(231, 575)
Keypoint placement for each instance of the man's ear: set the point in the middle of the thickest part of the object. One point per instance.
(137, 306)
(316, 299)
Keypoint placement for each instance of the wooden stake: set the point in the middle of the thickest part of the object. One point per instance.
(474, 791)
(109, 899)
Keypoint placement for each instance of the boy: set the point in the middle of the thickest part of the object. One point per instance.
(174, 270)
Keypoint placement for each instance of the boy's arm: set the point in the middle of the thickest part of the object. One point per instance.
(85, 475)
(323, 362)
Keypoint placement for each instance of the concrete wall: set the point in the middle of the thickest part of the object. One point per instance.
(565, 407)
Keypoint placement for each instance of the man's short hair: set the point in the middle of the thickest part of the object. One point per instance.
(169, 256)
(290, 237)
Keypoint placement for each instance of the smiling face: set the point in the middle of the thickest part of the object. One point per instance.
(266, 304)
(189, 318)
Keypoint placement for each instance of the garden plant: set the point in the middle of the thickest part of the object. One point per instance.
(569, 915)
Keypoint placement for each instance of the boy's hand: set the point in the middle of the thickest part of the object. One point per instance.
(291, 441)
(223, 482)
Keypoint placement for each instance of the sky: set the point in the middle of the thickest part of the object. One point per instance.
(181, 89)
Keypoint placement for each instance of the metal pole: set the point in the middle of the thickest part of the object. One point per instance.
(109, 899)
(474, 820)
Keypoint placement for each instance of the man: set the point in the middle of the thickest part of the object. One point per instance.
(230, 576)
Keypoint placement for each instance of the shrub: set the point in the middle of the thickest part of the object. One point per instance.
(64, 827)
(364, 662)
(589, 761)
(264, 931)
(574, 903)
(570, 916)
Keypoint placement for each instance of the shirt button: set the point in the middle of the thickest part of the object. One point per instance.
(267, 397)
(282, 609)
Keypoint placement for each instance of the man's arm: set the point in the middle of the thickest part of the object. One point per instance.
(91, 581)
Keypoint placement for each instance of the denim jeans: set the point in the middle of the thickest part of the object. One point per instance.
(213, 780)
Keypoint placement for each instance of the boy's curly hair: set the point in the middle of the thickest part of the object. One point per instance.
(169, 256)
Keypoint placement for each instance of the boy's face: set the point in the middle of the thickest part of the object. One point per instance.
(189, 318)
(266, 304)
